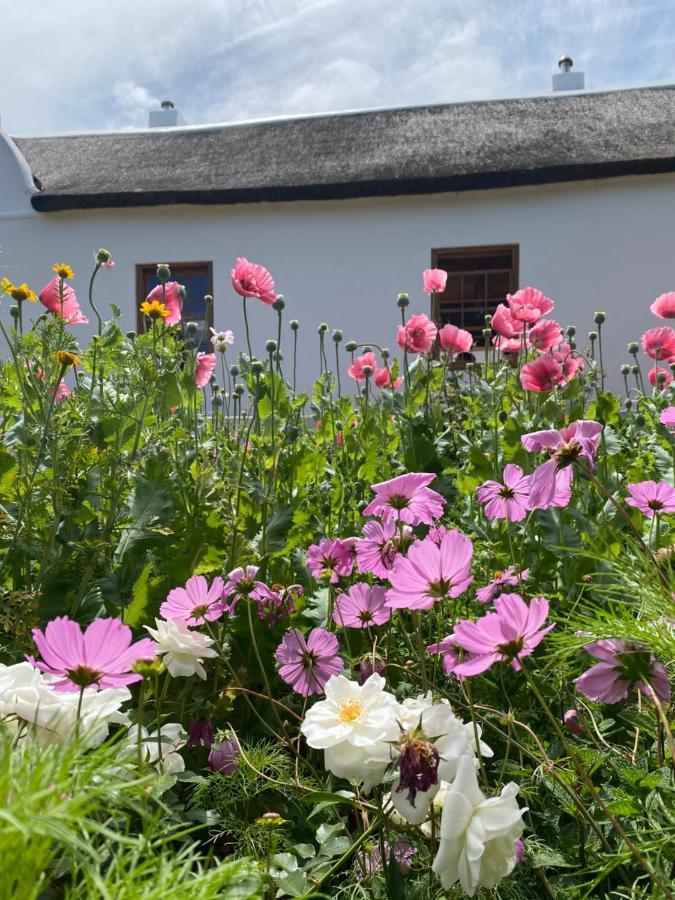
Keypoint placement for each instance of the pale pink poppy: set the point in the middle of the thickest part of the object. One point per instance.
(60, 299)
(664, 306)
(434, 280)
(431, 572)
(659, 377)
(541, 374)
(383, 379)
(362, 606)
(170, 296)
(417, 335)
(306, 664)
(528, 305)
(62, 392)
(204, 368)
(253, 280)
(356, 369)
(659, 343)
(408, 498)
(569, 361)
(455, 340)
(508, 500)
(545, 335)
(623, 667)
(504, 323)
(510, 345)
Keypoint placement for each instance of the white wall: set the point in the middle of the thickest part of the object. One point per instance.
(606, 245)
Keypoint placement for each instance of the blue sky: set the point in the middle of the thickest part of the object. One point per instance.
(74, 65)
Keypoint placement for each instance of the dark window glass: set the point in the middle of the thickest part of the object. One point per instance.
(197, 279)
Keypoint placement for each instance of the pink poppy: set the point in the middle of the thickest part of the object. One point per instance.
(431, 572)
(383, 379)
(541, 374)
(241, 584)
(659, 343)
(253, 280)
(60, 299)
(510, 345)
(101, 657)
(664, 306)
(659, 377)
(204, 368)
(449, 651)
(62, 392)
(356, 369)
(408, 498)
(667, 417)
(545, 335)
(623, 667)
(417, 335)
(528, 305)
(513, 631)
(195, 603)
(508, 500)
(652, 497)
(377, 549)
(504, 323)
(170, 295)
(307, 664)
(434, 280)
(331, 559)
(361, 607)
(508, 578)
(576, 441)
(569, 361)
(455, 340)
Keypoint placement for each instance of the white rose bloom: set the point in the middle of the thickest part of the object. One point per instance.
(418, 813)
(477, 835)
(162, 752)
(437, 806)
(355, 726)
(184, 649)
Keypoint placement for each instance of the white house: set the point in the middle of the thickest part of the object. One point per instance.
(573, 193)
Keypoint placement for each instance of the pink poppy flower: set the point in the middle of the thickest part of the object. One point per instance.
(528, 305)
(623, 667)
(361, 607)
(659, 343)
(656, 373)
(664, 306)
(667, 417)
(408, 498)
(204, 368)
(52, 295)
(652, 497)
(508, 500)
(356, 369)
(331, 559)
(379, 545)
(569, 361)
(455, 340)
(195, 603)
(383, 379)
(510, 345)
(508, 578)
(434, 280)
(510, 633)
(253, 280)
(308, 664)
(545, 335)
(576, 441)
(101, 657)
(431, 572)
(449, 651)
(171, 297)
(504, 323)
(62, 392)
(241, 584)
(541, 374)
(417, 335)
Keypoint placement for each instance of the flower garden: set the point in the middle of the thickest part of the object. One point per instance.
(406, 634)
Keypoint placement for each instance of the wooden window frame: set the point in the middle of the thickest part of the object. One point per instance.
(185, 268)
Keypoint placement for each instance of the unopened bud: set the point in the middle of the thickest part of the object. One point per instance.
(191, 328)
(271, 346)
(279, 304)
(351, 346)
(103, 256)
(639, 420)
(234, 371)
(592, 336)
(238, 389)
(488, 321)
(367, 371)
(294, 324)
(323, 328)
(337, 335)
(131, 335)
(163, 273)
(256, 366)
(571, 330)
(402, 301)
(599, 318)
(625, 369)
(634, 347)
(208, 299)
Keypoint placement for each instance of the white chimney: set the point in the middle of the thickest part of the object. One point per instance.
(166, 117)
(565, 79)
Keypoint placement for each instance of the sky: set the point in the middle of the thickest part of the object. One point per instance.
(74, 65)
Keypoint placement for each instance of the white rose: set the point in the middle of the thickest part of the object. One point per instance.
(184, 649)
(159, 748)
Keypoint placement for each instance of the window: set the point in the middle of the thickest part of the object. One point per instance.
(197, 278)
(479, 278)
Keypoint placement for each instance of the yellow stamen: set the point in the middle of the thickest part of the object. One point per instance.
(350, 710)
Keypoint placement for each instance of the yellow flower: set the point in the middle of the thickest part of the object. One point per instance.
(18, 292)
(65, 358)
(154, 310)
(63, 270)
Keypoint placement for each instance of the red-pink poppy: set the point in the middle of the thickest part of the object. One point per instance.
(659, 377)
(433, 280)
(664, 306)
(204, 367)
(253, 280)
(383, 379)
(504, 323)
(356, 372)
(170, 295)
(60, 299)
(528, 305)
(541, 374)
(545, 335)
(659, 343)
(455, 340)
(417, 335)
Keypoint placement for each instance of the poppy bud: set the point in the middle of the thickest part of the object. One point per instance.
(402, 301)
(279, 304)
(163, 273)
(294, 324)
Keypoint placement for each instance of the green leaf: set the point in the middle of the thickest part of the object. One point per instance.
(133, 614)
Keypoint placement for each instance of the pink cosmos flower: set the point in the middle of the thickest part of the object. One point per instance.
(171, 297)
(52, 295)
(652, 497)
(101, 657)
(195, 603)
(659, 343)
(569, 361)
(362, 607)
(62, 392)
(356, 369)
(545, 335)
(241, 584)
(528, 305)
(455, 340)
(434, 280)
(277, 602)
(331, 559)
(576, 441)
(664, 306)
(508, 578)
(541, 374)
(655, 372)
(383, 379)
(623, 667)
(667, 417)
(417, 335)
(204, 368)
(510, 633)
(504, 323)
(308, 664)
(508, 500)
(431, 572)
(379, 545)
(449, 650)
(408, 498)
(252, 280)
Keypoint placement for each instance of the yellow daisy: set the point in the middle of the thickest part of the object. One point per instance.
(154, 309)
(65, 358)
(18, 292)
(63, 270)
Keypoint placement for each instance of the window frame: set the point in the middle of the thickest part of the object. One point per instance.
(193, 267)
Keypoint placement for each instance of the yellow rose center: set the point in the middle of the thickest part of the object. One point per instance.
(350, 710)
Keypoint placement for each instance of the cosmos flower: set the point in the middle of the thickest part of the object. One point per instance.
(331, 559)
(379, 545)
(509, 577)
(576, 441)
(623, 667)
(241, 584)
(307, 663)
(195, 603)
(431, 572)
(183, 650)
(508, 500)
(652, 497)
(408, 498)
(361, 607)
